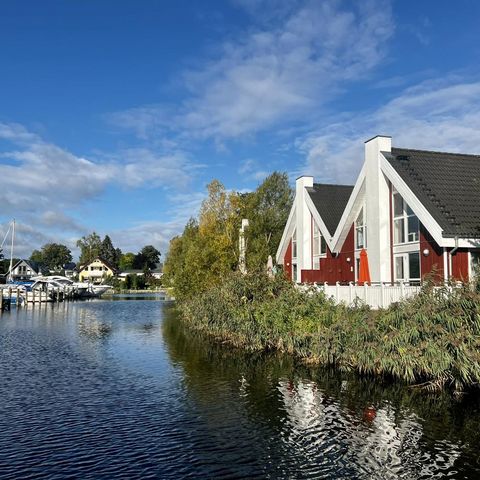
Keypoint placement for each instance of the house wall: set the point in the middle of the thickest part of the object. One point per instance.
(460, 264)
(100, 270)
(335, 269)
(434, 260)
(287, 261)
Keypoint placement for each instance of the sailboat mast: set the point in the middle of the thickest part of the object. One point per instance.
(11, 250)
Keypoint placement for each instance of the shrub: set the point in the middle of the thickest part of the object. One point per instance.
(431, 340)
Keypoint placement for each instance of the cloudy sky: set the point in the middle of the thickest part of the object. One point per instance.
(115, 114)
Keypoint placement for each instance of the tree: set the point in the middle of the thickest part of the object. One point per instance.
(207, 250)
(126, 261)
(36, 256)
(90, 247)
(148, 256)
(52, 256)
(267, 209)
(108, 252)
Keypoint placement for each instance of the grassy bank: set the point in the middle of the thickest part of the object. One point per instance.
(432, 340)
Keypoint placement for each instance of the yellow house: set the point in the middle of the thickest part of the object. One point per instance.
(96, 271)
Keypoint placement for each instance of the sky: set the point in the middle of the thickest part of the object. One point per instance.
(115, 114)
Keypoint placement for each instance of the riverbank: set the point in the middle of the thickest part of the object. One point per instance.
(431, 341)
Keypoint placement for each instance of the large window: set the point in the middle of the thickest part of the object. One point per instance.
(319, 246)
(294, 244)
(405, 222)
(407, 267)
(361, 230)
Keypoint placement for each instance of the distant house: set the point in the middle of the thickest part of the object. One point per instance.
(413, 212)
(70, 269)
(96, 271)
(157, 272)
(134, 271)
(24, 270)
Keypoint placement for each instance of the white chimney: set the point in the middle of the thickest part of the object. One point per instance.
(304, 226)
(377, 209)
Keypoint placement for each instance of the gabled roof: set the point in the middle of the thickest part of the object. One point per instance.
(330, 202)
(100, 259)
(447, 184)
(35, 266)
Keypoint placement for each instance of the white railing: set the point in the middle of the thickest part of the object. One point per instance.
(376, 296)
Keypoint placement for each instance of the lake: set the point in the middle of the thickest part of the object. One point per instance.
(118, 388)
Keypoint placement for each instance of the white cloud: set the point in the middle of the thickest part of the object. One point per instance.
(279, 71)
(250, 170)
(40, 182)
(434, 115)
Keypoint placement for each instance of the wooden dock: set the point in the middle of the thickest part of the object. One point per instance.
(16, 296)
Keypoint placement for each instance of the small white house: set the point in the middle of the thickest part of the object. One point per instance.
(24, 270)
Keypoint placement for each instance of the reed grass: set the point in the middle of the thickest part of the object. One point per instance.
(431, 341)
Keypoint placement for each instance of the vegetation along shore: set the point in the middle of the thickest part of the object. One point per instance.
(431, 341)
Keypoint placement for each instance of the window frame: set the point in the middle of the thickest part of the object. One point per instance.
(403, 219)
(318, 241)
(361, 228)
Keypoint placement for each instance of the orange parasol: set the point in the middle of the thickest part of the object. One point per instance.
(363, 270)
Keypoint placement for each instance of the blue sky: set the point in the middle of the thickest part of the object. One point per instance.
(114, 115)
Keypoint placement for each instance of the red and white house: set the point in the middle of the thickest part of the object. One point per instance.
(413, 211)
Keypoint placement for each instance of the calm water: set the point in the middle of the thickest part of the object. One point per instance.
(118, 389)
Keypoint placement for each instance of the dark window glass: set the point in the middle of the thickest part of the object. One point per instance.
(414, 265)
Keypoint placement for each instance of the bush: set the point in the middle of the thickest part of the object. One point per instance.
(431, 340)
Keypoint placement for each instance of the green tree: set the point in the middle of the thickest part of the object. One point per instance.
(126, 261)
(52, 256)
(108, 252)
(148, 257)
(267, 209)
(90, 247)
(36, 256)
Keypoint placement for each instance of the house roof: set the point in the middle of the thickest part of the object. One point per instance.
(447, 184)
(105, 262)
(330, 202)
(35, 266)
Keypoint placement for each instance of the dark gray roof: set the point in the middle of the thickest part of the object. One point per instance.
(447, 184)
(330, 202)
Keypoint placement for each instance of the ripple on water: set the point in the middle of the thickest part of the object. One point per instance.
(117, 389)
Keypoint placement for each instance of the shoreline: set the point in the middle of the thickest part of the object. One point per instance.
(431, 341)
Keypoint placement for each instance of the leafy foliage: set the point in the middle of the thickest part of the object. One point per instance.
(90, 247)
(431, 341)
(146, 258)
(52, 256)
(207, 250)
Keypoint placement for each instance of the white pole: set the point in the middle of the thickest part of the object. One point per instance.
(11, 250)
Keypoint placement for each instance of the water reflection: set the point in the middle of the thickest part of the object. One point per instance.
(119, 389)
(332, 424)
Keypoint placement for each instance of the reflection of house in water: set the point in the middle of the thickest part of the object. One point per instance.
(390, 443)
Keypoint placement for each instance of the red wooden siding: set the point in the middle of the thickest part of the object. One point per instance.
(287, 261)
(460, 264)
(335, 269)
(434, 260)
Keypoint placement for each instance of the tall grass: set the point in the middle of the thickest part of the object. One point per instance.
(431, 341)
